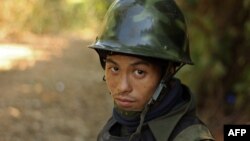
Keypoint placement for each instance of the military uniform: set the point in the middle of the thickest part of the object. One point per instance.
(179, 124)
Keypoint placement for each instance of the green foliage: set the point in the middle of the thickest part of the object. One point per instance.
(50, 16)
(219, 42)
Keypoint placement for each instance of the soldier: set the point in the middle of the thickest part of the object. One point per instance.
(142, 45)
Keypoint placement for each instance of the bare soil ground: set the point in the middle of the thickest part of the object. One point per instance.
(60, 97)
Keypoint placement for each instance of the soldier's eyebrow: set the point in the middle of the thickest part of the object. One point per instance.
(108, 60)
(140, 62)
(137, 62)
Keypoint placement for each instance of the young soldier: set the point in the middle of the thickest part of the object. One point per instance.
(143, 44)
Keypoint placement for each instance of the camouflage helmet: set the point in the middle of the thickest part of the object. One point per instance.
(149, 28)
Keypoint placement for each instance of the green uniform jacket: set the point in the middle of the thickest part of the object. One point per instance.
(180, 124)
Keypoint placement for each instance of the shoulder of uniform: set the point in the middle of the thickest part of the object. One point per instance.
(197, 132)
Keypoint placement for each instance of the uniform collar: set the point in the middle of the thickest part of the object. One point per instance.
(170, 120)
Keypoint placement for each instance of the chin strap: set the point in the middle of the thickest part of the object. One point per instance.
(142, 117)
(161, 89)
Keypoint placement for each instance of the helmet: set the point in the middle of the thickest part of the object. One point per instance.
(149, 28)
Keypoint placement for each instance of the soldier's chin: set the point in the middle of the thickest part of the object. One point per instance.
(127, 108)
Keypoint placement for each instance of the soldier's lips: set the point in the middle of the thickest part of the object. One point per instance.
(124, 102)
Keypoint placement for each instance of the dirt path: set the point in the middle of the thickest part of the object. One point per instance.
(61, 98)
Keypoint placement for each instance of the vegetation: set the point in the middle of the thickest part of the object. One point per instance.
(219, 40)
(219, 34)
(50, 16)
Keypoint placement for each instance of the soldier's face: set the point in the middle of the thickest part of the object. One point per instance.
(131, 81)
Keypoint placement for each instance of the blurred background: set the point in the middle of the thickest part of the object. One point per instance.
(51, 86)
